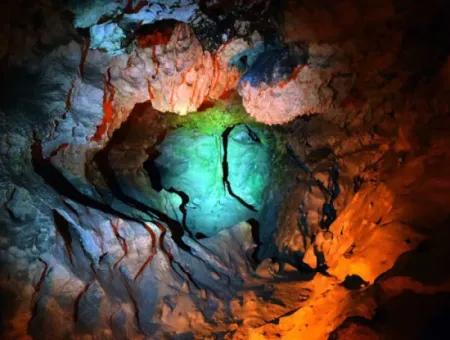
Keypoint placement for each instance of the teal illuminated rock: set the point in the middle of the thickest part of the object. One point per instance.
(250, 163)
(107, 36)
(223, 175)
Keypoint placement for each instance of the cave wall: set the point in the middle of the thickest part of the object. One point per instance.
(354, 244)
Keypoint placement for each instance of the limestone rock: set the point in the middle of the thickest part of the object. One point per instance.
(83, 252)
(225, 77)
(123, 17)
(288, 99)
(108, 37)
(192, 163)
(183, 74)
(88, 14)
(181, 11)
(176, 76)
(20, 205)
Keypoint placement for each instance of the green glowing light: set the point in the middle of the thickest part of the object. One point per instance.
(214, 120)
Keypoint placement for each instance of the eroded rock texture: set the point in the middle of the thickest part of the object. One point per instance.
(108, 227)
(277, 88)
(176, 75)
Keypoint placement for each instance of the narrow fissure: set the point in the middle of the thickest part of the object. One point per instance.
(329, 212)
(185, 201)
(253, 135)
(36, 298)
(62, 226)
(152, 254)
(122, 242)
(303, 225)
(255, 227)
(225, 169)
(77, 301)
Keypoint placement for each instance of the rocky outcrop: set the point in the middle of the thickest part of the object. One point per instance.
(183, 72)
(225, 77)
(288, 89)
(224, 177)
(175, 75)
(286, 100)
(365, 251)
(109, 23)
(105, 291)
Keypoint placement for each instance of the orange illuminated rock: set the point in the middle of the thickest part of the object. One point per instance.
(182, 75)
(364, 240)
(225, 78)
(174, 73)
(328, 306)
(175, 76)
(373, 238)
(304, 92)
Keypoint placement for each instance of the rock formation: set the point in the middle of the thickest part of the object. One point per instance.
(224, 169)
(175, 75)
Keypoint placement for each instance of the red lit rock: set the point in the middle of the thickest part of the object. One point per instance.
(155, 38)
(225, 78)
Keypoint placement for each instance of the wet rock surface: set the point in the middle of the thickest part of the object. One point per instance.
(110, 229)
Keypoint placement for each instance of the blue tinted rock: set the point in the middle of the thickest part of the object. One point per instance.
(21, 206)
(88, 13)
(108, 37)
(249, 164)
(183, 11)
(247, 58)
(271, 66)
(193, 164)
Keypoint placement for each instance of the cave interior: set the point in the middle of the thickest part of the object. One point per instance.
(225, 169)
